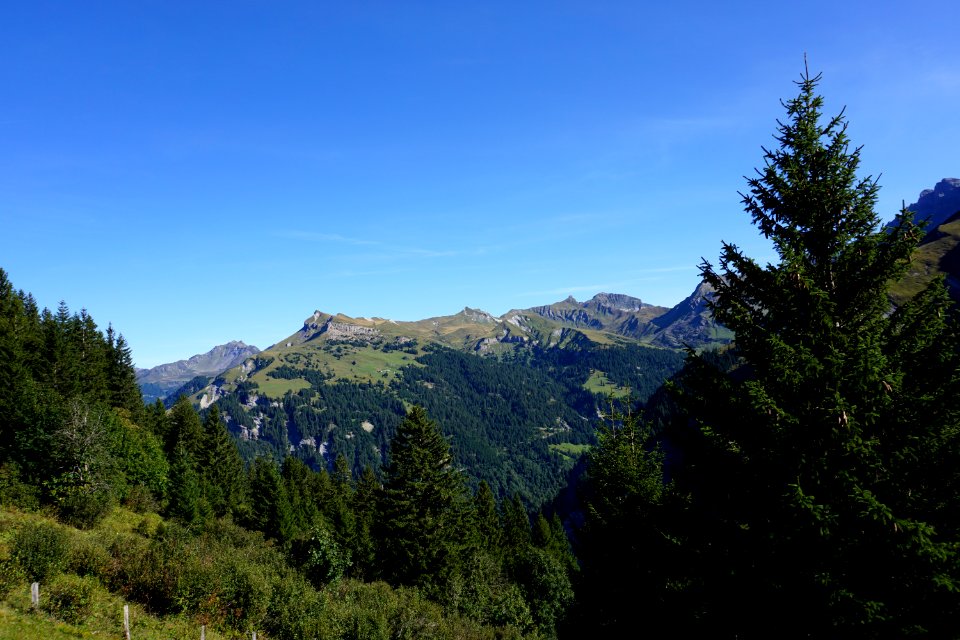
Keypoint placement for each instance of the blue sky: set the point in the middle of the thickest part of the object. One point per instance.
(199, 172)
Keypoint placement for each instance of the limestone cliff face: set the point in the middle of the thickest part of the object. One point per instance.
(575, 316)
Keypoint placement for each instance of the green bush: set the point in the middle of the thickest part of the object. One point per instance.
(68, 598)
(82, 507)
(194, 575)
(482, 591)
(87, 558)
(294, 610)
(244, 592)
(547, 586)
(139, 572)
(11, 575)
(140, 499)
(223, 576)
(40, 549)
(352, 609)
(320, 557)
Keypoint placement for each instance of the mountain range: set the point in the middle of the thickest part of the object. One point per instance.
(518, 395)
(604, 319)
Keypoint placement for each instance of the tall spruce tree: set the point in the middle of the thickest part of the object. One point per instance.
(121, 376)
(422, 507)
(364, 504)
(14, 372)
(220, 466)
(271, 512)
(823, 467)
(184, 428)
(486, 518)
(296, 483)
(184, 489)
(630, 563)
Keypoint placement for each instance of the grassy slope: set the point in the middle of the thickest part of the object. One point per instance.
(19, 621)
(469, 330)
(346, 609)
(600, 384)
(940, 254)
(358, 363)
(571, 452)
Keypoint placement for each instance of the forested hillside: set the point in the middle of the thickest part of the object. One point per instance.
(517, 422)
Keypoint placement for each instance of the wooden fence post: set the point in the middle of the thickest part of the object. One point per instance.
(126, 621)
(35, 594)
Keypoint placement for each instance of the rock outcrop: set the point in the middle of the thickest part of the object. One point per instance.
(937, 204)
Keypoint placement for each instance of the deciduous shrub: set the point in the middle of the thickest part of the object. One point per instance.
(40, 549)
(87, 558)
(243, 592)
(69, 598)
(82, 507)
(11, 576)
(295, 609)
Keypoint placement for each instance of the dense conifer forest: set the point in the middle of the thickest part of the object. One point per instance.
(506, 417)
(803, 482)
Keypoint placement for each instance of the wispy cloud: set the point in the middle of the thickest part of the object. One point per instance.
(313, 236)
(389, 251)
(942, 80)
(354, 273)
(684, 125)
(666, 269)
(427, 253)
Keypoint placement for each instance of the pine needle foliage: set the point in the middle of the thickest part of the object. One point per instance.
(422, 507)
(823, 465)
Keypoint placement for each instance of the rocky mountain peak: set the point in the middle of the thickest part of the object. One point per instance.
(160, 380)
(937, 204)
(477, 315)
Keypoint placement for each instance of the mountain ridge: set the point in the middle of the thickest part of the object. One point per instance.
(604, 318)
(157, 382)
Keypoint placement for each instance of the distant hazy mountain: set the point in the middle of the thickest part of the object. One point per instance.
(163, 379)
